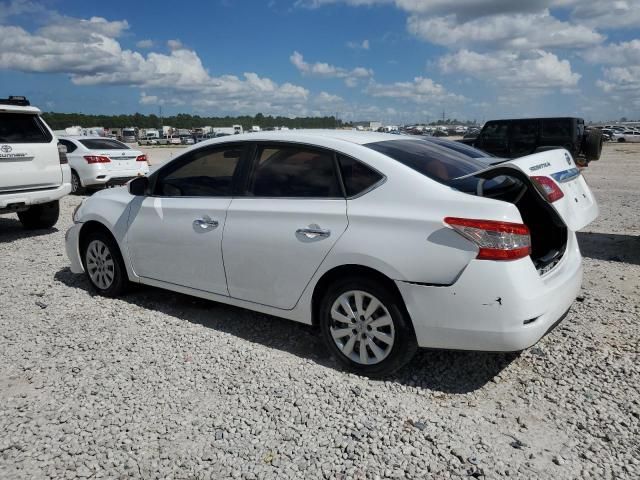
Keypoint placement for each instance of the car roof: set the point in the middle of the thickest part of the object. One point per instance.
(352, 136)
(19, 109)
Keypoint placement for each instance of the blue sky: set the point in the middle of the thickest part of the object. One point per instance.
(397, 61)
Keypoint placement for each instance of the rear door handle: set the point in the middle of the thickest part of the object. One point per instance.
(313, 231)
(205, 223)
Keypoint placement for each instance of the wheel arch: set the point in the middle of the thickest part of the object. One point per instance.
(343, 271)
(94, 226)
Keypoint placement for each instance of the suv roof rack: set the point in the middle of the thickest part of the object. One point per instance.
(19, 100)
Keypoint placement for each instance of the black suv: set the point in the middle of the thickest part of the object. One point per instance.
(524, 136)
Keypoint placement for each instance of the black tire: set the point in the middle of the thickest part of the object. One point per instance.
(119, 282)
(593, 145)
(404, 344)
(76, 185)
(40, 216)
(621, 140)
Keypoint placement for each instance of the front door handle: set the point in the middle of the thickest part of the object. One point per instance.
(313, 231)
(205, 223)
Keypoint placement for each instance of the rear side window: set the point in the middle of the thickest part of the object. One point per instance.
(357, 176)
(557, 128)
(438, 163)
(292, 171)
(495, 132)
(103, 144)
(204, 173)
(22, 128)
(70, 145)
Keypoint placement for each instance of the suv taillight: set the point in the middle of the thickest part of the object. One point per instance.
(495, 240)
(548, 188)
(96, 159)
(62, 154)
(141, 158)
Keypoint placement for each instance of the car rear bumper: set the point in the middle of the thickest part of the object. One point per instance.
(494, 306)
(107, 178)
(19, 200)
(72, 246)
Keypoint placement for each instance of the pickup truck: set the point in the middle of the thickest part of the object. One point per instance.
(34, 172)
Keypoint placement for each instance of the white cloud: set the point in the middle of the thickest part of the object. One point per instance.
(621, 80)
(516, 31)
(89, 52)
(611, 14)
(537, 70)
(364, 45)
(144, 44)
(624, 53)
(420, 90)
(326, 70)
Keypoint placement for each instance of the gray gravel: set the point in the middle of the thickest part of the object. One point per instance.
(161, 385)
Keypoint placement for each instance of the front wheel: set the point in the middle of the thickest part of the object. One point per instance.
(44, 215)
(366, 327)
(103, 265)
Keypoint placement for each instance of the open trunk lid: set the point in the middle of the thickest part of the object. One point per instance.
(577, 207)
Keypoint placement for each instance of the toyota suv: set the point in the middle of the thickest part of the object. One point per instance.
(34, 173)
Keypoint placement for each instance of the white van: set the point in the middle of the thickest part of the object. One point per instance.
(34, 173)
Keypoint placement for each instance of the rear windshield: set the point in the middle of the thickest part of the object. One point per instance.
(438, 163)
(103, 144)
(460, 148)
(22, 128)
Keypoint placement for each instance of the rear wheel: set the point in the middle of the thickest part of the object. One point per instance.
(44, 215)
(103, 264)
(593, 145)
(621, 140)
(76, 185)
(366, 327)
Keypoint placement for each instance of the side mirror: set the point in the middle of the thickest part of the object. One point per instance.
(139, 186)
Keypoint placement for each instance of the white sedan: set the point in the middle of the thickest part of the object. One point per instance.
(386, 243)
(98, 161)
(632, 136)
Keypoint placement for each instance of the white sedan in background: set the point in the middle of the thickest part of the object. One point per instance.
(632, 136)
(98, 162)
(386, 243)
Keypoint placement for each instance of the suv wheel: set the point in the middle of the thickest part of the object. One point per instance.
(103, 264)
(366, 327)
(44, 215)
(76, 185)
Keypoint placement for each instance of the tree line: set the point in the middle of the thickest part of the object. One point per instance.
(59, 121)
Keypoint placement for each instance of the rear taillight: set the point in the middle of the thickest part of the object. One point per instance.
(96, 159)
(495, 240)
(62, 154)
(548, 188)
(141, 158)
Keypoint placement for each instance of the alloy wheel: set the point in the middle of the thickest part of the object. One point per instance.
(362, 327)
(100, 264)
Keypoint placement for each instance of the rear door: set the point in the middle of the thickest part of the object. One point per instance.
(277, 234)
(28, 153)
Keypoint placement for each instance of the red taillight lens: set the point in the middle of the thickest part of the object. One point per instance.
(548, 188)
(62, 154)
(96, 159)
(495, 240)
(141, 158)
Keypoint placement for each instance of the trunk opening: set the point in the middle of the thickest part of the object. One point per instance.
(548, 231)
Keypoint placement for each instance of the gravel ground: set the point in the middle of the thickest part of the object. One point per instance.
(162, 385)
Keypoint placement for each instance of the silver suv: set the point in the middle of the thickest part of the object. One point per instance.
(34, 173)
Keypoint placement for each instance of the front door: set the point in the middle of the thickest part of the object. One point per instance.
(280, 231)
(175, 234)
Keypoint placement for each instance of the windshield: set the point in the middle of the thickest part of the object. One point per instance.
(438, 163)
(103, 144)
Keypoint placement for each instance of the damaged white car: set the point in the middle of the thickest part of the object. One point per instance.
(386, 243)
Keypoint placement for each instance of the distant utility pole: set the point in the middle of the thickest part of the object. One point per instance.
(336, 120)
(442, 116)
(160, 114)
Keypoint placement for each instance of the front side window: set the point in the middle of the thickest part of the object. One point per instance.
(22, 128)
(204, 173)
(495, 132)
(292, 171)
